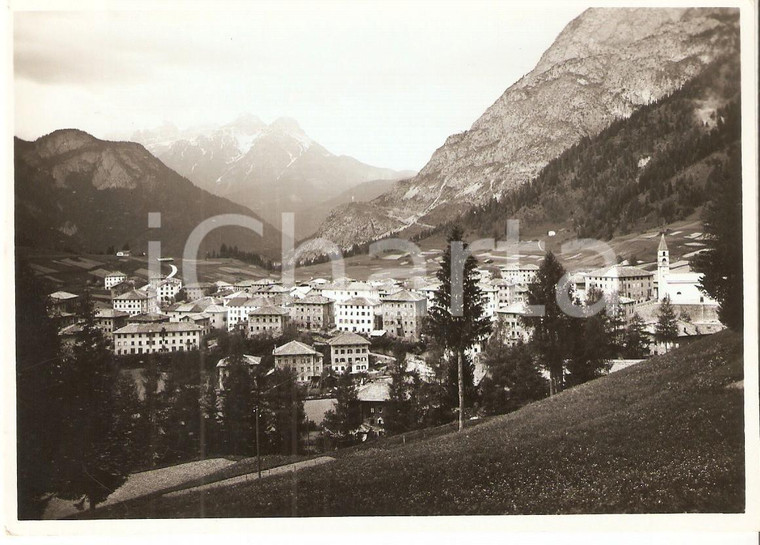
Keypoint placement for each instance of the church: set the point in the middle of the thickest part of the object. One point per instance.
(682, 287)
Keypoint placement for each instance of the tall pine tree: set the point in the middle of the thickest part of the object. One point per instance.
(554, 333)
(344, 418)
(37, 353)
(93, 457)
(457, 318)
(635, 344)
(721, 264)
(666, 330)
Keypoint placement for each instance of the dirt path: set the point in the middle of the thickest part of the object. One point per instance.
(289, 468)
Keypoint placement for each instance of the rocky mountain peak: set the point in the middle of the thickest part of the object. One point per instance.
(287, 125)
(62, 141)
(602, 67)
(248, 123)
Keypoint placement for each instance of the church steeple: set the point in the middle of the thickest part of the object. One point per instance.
(663, 268)
(663, 247)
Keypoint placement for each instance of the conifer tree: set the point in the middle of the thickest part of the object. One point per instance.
(595, 342)
(344, 418)
(236, 402)
(457, 318)
(721, 265)
(512, 379)
(666, 330)
(37, 353)
(399, 417)
(282, 411)
(553, 336)
(634, 340)
(93, 457)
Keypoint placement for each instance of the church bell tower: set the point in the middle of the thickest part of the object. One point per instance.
(663, 268)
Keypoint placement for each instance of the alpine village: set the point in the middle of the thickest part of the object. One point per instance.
(249, 381)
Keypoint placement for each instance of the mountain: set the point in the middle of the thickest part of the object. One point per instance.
(311, 219)
(656, 167)
(74, 191)
(605, 65)
(269, 168)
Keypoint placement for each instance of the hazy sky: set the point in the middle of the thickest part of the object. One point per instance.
(385, 83)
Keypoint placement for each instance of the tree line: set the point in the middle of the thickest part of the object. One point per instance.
(87, 418)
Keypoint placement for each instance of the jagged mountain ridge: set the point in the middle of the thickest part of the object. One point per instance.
(75, 191)
(659, 166)
(271, 168)
(603, 66)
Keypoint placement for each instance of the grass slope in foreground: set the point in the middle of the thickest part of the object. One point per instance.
(661, 437)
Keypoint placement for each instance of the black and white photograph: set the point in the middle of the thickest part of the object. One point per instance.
(331, 262)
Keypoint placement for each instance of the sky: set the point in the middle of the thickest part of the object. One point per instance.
(385, 83)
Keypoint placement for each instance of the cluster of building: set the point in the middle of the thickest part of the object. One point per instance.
(148, 319)
(633, 291)
(163, 315)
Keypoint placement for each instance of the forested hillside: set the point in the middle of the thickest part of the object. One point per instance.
(658, 166)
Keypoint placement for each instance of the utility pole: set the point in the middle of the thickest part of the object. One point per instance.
(258, 410)
(258, 452)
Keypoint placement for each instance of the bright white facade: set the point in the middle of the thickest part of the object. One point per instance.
(114, 278)
(153, 338)
(523, 274)
(681, 288)
(135, 302)
(349, 352)
(343, 291)
(357, 314)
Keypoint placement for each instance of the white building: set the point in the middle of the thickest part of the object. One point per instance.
(344, 290)
(510, 328)
(301, 357)
(113, 278)
(490, 299)
(681, 288)
(166, 289)
(153, 338)
(522, 274)
(403, 313)
(429, 292)
(505, 290)
(625, 281)
(136, 302)
(267, 319)
(349, 352)
(238, 309)
(357, 314)
(217, 316)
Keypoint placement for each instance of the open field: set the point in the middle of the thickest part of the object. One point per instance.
(531, 248)
(684, 239)
(665, 436)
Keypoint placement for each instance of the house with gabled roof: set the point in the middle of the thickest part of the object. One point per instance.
(358, 314)
(300, 357)
(152, 338)
(349, 352)
(403, 313)
(520, 273)
(238, 309)
(623, 280)
(113, 278)
(109, 320)
(313, 313)
(223, 369)
(136, 302)
(373, 399)
(267, 319)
